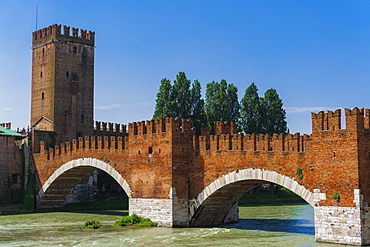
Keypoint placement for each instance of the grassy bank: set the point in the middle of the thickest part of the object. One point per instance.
(281, 196)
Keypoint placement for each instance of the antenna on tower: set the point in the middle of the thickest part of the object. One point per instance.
(37, 12)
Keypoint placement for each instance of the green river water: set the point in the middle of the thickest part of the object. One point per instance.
(290, 225)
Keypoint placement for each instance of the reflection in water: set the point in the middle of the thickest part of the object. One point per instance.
(258, 226)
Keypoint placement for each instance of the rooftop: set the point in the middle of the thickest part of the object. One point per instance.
(8, 132)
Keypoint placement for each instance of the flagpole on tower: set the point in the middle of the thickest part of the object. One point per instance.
(37, 11)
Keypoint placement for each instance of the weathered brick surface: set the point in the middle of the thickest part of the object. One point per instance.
(162, 156)
(63, 82)
(11, 166)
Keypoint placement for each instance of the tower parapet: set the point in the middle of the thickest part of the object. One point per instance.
(356, 120)
(55, 32)
(109, 129)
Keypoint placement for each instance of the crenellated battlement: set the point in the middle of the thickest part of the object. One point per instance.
(161, 126)
(251, 142)
(109, 129)
(62, 32)
(355, 120)
(225, 128)
(110, 136)
(84, 144)
(6, 125)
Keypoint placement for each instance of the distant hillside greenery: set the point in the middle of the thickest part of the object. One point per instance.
(254, 114)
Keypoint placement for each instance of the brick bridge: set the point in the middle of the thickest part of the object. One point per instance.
(179, 179)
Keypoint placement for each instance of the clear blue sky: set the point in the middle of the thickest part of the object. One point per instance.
(315, 53)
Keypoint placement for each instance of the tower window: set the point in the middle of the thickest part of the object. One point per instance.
(67, 74)
(74, 49)
(43, 51)
(40, 74)
(42, 95)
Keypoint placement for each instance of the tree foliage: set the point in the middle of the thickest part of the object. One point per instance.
(221, 103)
(250, 111)
(254, 114)
(180, 100)
(262, 115)
(164, 102)
(273, 116)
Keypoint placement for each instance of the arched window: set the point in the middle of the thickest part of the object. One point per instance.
(74, 49)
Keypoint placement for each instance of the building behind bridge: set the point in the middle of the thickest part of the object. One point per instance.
(11, 164)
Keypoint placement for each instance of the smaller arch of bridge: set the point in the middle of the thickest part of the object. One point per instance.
(91, 162)
(251, 174)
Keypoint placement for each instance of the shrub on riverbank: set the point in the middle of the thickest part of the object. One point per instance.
(134, 220)
(94, 224)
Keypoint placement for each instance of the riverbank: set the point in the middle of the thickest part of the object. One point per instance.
(105, 202)
(278, 197)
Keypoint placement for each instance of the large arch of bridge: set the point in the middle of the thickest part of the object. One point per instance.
(79, 165)
(224, 192)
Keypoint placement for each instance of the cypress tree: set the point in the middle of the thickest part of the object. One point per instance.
(164, 102)
(274, 114)
(250, 110)
(222, 103)
(181, 96)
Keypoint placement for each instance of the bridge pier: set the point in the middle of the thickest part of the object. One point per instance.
(343, 225)
(172, 212)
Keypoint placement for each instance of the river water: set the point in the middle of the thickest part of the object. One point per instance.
(290, 225)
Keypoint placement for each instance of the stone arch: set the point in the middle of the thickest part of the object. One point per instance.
(81, 163)
(242, 176)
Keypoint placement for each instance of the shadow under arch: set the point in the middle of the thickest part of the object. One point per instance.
(61, 183)
(217, 203)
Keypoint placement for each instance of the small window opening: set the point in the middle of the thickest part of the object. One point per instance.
(42, 95)
(82, 118)
(150, 150)
(40, 74)
(67, 73)
(159, 150)
(43, 51)
(14, 178)
(74, 49)
(138, 152)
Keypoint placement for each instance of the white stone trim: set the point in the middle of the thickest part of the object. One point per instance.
(318, 196)
(157, 210)
(86, 162)
(252, 174)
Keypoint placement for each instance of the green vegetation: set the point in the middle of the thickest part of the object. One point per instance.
(92, 224)
(299, 172)
(134, 220)
(179, 100)
(336, 196)
(221, 103)
(262, 115)
(64, 229)
(279, 196)
(254, 114)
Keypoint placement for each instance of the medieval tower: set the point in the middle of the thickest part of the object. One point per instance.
(62, 98)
